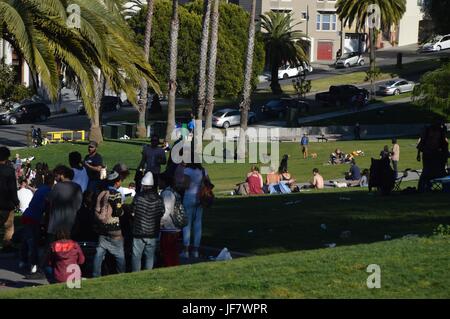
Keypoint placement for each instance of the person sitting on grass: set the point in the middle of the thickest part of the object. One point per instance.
(65, 253)
(354, 174)
(272, 179)
(317, 181)
(338, 157)
(255, 181)
(364, 181)
(385, 152)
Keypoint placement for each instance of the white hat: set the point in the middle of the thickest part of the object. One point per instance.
(148, 179)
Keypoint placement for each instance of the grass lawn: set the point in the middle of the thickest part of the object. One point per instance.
(410, 268)
(225, 176)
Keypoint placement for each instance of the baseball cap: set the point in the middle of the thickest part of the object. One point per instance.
(93, 143)
(113, 175)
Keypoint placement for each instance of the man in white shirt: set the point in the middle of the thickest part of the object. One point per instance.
(24, 194)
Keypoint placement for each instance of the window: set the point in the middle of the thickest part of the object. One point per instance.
(304, 15)
(326, 22)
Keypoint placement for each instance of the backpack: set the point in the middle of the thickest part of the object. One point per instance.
(178, 217)
(109, 204)
(206, 195)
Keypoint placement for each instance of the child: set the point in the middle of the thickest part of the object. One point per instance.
(64, 252)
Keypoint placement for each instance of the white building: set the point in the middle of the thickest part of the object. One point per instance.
(10, 57)
(408, 28)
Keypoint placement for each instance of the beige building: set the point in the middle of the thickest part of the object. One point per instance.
(321, 24)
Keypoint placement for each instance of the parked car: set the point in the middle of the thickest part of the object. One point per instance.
(395, 87)
(349, 59)
(287, 71)
(23, 113)
(343, 94)
(108, 104)
(438, 43)
(229, 117)
(278, 108)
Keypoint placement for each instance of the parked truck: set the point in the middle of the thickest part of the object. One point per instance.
(341, 95)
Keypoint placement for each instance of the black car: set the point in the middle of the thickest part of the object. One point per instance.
(341, 95)
(278, 108)
(108, 104)
(28, 112)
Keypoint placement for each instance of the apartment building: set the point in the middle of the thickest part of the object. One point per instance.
(11, 57)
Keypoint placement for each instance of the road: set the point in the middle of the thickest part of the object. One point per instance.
(384, 58)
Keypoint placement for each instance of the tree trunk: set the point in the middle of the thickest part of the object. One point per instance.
(95, 133)
(372, 34)
(200, 104)
(245, 103)
(274, 83)
(174, 26)
(212, 65)
(143, 101)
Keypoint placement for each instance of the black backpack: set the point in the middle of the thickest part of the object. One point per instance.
(178, 216)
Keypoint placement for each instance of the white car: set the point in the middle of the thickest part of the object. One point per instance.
(229, 117)
(438, 43)
(287, 71)
(349, 59)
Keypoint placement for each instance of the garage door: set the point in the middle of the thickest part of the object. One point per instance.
(325, 51)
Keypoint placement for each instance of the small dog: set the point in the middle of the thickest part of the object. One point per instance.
(314, 155)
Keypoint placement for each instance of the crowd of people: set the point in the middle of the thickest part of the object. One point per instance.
(82, 202)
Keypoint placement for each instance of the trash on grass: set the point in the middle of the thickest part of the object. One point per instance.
(330, 245)
(387, 237)
(223, 255)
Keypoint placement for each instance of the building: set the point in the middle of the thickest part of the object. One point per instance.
(20, 66)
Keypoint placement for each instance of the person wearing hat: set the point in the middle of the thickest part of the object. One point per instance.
(153, 156)
(108, 211)
(147, 210)
(93, 162)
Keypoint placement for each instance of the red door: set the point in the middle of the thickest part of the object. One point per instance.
(325, 51)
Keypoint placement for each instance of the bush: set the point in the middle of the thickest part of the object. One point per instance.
(442, 230)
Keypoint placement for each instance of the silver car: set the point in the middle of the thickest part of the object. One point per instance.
(349, 59)
(229, 117)
(396, 87)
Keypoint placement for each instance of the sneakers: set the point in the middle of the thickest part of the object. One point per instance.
(33, 269)
(35, 276)
(195, 254)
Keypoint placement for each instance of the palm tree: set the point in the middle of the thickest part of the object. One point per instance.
(282, 43)
(245, 103)
(210, 90)
(38, 30)
(143, 100)
(356, 11)
(174, 26)
(201, 91)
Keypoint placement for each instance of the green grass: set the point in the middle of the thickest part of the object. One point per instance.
(404, 113)
(410, 268)
(225, 176)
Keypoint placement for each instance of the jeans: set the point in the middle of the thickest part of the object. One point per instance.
(115, 248)
(29, 250)
(7, 219)
(395, 167)
(144, 246)
(194, 213)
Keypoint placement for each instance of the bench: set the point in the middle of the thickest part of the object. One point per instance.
(322, 138)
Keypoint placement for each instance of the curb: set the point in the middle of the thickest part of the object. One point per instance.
(55, 116)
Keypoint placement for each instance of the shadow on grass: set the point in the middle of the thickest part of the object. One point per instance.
(270, 224)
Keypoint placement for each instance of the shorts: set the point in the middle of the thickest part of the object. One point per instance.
(304, 148)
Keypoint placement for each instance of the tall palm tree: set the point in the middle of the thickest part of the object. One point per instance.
(37, 29)
(355, 12)
(283, 44)
(201, 91)
(174, 26)
(210, 90)
(245, 103)
(143, 100)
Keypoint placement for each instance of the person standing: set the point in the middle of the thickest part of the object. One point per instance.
(193, 178)
(80, 175)
(8, 197)
(357, 131)
(65, 200)
(169, 232)
(153, 157)
(395, 156)
(148, 208)
(304, 144)
(94, 165)
(24, 194)
(108, 211)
